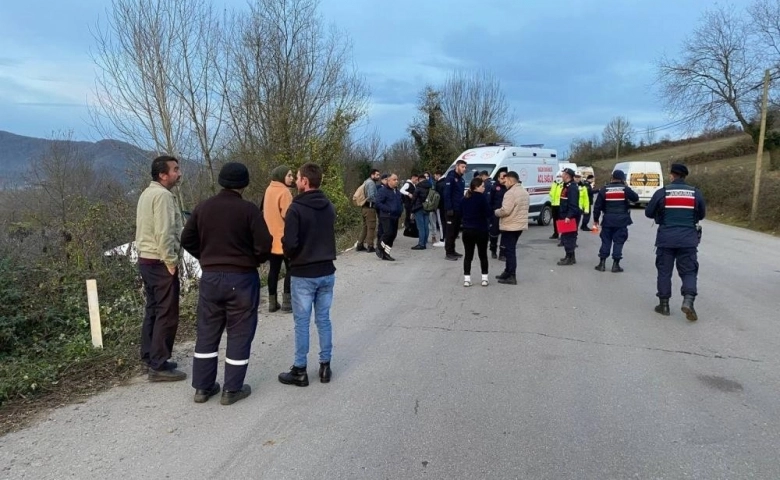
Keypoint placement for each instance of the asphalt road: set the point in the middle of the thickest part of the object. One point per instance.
(569, 374)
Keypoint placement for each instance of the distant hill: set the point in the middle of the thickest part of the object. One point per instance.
(17, 152)
(729, 154)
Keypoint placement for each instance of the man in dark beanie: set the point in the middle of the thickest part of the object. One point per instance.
(229, 237)
(677, 209)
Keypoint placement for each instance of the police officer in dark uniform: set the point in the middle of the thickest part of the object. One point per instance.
(230, 239)
(497, 192)
(569, 211)
(613, 201)
(677, 209)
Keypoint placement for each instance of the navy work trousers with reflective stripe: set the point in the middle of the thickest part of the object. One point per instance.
(225, 300)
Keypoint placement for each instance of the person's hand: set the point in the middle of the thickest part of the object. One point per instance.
(567, 220)
(172, 270)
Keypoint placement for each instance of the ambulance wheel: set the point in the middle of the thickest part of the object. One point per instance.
(545, 216)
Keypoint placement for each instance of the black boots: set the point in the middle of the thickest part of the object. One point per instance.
(663, 307)
(687, 308)
(602, 266)
(296, 376)
(493, 255)
(286, 302)
(229, 398)
(616, 268)
(569, 259)
(508, 280)
(202, 396)
(325, 372)
(502, 276)
(273, 303)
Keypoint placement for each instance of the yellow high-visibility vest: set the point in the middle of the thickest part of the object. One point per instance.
(555, 193)
(584, 200)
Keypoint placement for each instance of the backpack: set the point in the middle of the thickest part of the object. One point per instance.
(359, 197)
(432, 200)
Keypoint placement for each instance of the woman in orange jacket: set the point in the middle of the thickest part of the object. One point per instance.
(275, 203)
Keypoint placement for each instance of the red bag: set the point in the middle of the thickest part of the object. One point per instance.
(564, 227)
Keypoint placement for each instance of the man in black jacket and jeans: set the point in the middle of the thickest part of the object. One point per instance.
(229, 237)
(310, 243)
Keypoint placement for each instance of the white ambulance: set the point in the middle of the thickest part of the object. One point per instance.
(536, 167)
(643, 177)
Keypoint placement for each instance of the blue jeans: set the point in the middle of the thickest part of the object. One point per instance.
(312, 294)
(421, 219)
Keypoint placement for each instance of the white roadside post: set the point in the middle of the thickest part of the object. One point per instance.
(94, 314)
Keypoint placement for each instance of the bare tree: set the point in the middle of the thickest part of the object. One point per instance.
(718, 78)
(290, 77)
(475, 107)
(158, 85)
(401, 157)
(617, 134)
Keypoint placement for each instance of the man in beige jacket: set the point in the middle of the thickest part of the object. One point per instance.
(158, 239)
(512, 220)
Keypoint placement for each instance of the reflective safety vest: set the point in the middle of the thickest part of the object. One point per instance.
(679, 205)
(584, 200)
(555, 193)
(615, 200)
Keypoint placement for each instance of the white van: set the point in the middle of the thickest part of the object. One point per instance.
(536, 167)
(643, 177)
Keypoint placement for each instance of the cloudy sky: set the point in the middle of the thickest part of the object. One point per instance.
(566, 66)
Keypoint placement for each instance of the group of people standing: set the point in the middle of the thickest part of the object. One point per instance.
(480, 215)
(487, 210)
(231, 237)
(677, 209)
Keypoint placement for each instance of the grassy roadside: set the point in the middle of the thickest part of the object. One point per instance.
(53, 372)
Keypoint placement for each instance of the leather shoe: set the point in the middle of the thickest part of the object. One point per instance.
(229, 398)
(202, 396)
(166, 375)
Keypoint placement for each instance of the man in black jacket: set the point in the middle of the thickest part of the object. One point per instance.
(388, 201)
(229, 237)
(310, 243)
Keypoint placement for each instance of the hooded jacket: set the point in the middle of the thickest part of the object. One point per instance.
(420, 194)
(276, 201)
(309, 235)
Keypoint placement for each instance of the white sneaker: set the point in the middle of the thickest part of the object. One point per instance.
(467, 280)
(438, 244)
(484, 280)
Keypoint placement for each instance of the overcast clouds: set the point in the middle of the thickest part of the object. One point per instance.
(566, 66)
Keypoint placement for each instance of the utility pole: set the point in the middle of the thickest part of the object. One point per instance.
(760, 154)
